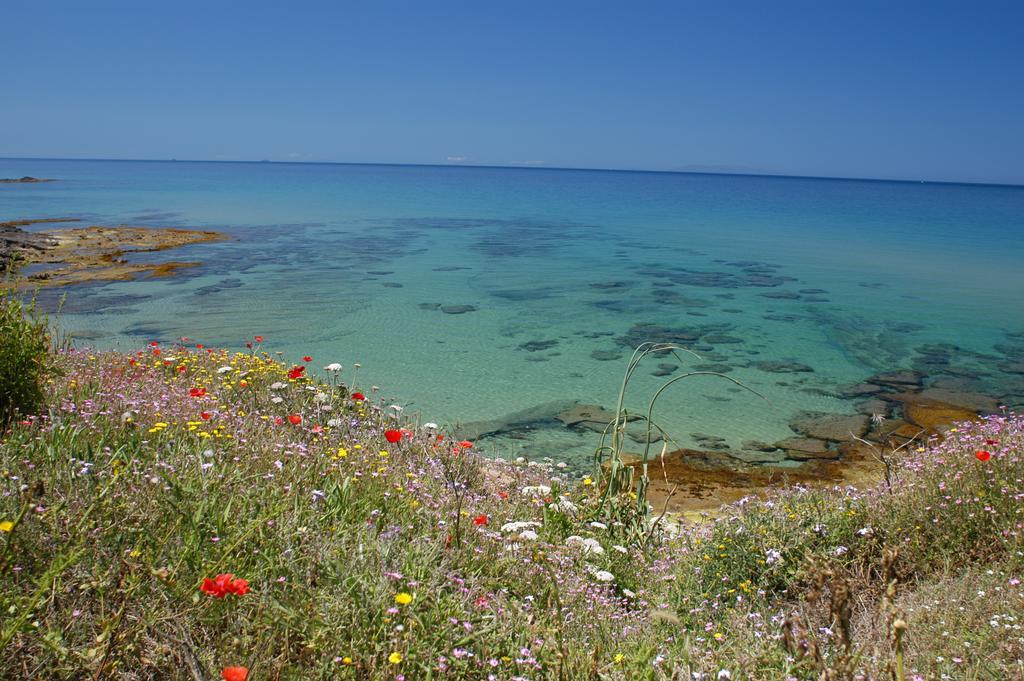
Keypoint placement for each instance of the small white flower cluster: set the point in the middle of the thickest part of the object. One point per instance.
(586, 544)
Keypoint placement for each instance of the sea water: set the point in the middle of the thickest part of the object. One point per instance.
(493, 298)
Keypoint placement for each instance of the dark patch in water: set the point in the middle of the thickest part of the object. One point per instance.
(538, 345)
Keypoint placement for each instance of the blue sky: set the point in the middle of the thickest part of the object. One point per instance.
(927, 90)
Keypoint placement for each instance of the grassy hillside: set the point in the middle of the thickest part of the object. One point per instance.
(361, 545)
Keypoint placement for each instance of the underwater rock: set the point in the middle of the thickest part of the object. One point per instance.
(778, 367)
(538, 345)
(759, 446)
(715, 368)
(665, 369)
(873, 406)
(932, 414)
(609, 285)
(759, 456)
(541, 416)
(781, 295)
(721, 339)
(900, 379)
(457, 309)
(858, 390)
(835, 427)
(804, 448)
(606, 355)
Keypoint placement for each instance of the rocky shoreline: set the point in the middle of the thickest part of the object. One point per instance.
(78, 255)
(892, 410)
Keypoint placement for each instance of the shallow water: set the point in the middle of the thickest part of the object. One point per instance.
(469, 294)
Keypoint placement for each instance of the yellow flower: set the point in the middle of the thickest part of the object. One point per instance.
(403, 598)
(6, 526)
(346, 660)
(588, 481)
(395, 658)
(619, 657)
(719, 636)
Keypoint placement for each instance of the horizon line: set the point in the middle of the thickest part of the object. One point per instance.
(525, 167)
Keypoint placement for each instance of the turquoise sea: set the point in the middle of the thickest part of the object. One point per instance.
(502, 295)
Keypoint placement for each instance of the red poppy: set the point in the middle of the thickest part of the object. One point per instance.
(184, 339)
(156, 351)
(307, 358)
(197, 392)
(503, 495)
(235, 674)
(132, 362)
(466, 444)
(991, 442)
(239, 587)
(153, 344)
(224, 584)
(358, 397)
(982, 455)
(406, 433)
(199, 346)
(392, 436)
(481, 519)
(218, 586)
(243, 384)
(205, 416)
(295, 419)
(181, 370)
(258, 339)
(278, 420)
(296, 372)
(318, 428)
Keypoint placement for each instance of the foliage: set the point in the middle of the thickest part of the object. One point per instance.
(370, 556)
(25, 360)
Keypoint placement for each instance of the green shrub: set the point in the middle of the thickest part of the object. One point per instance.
(26, 362)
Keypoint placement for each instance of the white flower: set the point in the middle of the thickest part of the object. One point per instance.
(334, 366)
(320, 397)
(604, 576)
(628, 594)
(430, 426)
(772, 556)
(277, 400)
(566, 507)
(334, 423)
(620, 549)
(278, 385)
(536, 491)
(840, 550)
(396, 407)
(865, 531)
(724, 674)
(224, 370)
(528, 535)
(588, 545)
(598, 526)
(519, 525)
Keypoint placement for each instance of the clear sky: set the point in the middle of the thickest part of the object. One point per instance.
(894, 89)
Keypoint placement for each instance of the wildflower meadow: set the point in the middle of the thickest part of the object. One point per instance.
(185, 512)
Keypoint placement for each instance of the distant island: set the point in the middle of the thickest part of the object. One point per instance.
(24, 180)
